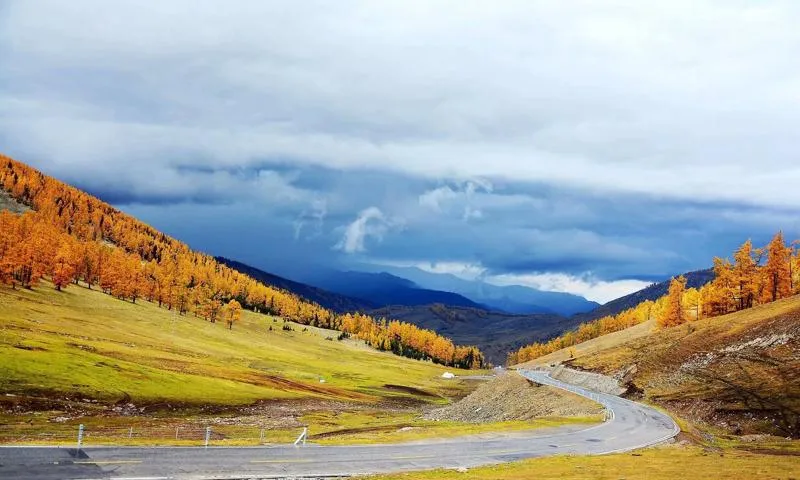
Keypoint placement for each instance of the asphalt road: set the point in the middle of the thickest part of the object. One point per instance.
(631, 426)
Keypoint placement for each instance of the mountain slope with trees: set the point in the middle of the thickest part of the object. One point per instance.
(70, 236)
(330, 300)
(757, 276)
(495, 333)
(695, 279)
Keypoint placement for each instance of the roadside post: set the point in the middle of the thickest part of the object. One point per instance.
(80, 436)
(302, 437)
(208, 435)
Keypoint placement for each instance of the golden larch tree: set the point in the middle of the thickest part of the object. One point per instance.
(777, 272)
(673, 312)
(232, 311)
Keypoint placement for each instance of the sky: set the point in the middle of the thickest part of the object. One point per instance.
(588, 147)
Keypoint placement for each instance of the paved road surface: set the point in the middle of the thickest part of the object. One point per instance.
(632, 426)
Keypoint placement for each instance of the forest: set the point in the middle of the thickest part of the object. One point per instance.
(71, 238)
(755, 276)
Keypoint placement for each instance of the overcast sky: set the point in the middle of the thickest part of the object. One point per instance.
(589, 147)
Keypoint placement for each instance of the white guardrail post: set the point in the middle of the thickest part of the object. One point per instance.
(208, 435)
(80, 436)
(302, 437)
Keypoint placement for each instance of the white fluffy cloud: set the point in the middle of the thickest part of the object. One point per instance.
(586, 286)
(688, 102)
(371, 222)
(685, 99)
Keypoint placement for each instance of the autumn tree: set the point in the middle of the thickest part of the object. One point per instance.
(744, 274)
(232, 312)
(64, 265)
(777, 272)
(693, 300)
(673, 313)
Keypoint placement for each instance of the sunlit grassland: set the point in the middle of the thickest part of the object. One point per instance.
(86, 349)
(325, 427)
(659, 463)
(80, 343)
(373, 427)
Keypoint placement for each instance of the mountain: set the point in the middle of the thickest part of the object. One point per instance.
(384, 289)
(333, 301)
(69, 236)
(495, 333)
(513, 299)
(695, 279)
(739, 371)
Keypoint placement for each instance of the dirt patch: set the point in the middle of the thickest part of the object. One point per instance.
(512, 397)
(350, 431)
(409, 390)
(30, 348)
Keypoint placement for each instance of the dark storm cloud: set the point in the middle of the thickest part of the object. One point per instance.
(594, 141)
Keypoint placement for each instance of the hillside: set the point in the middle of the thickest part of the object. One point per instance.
(652, 292)
(333, 301)
(739, 371)
(71, 236)
(82, 344)
(495, 333)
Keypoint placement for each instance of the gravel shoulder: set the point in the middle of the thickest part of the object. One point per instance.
(512, 397)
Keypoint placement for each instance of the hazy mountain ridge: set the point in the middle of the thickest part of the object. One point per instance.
(495, 333)
(383, 289)
(512, 298)
(334, 301)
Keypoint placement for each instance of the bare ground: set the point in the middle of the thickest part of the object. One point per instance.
(512, 397)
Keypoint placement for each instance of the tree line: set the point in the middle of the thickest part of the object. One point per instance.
(70, 236)
(755, 276)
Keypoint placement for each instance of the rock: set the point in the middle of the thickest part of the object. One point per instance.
(462, 470)
(448, 375)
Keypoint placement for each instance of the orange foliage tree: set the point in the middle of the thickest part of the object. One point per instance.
(673, 313)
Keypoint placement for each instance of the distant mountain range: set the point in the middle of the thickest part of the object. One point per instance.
(511, 299)
(495, 333)
(333, 301)
(384, 289)
(496, 319)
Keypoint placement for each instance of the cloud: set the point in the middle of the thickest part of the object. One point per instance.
(370, 222)
(585, 285)
(446, 198)
(434, 199)
(625, 139)
(314, 217)
(593, 96)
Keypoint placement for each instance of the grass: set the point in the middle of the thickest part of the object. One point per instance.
(80, 343)
(72, 354)
(326, 427)
(594, 345)
(375, 427)
(660, 463)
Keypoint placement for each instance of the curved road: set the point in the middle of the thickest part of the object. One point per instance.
(631, 425)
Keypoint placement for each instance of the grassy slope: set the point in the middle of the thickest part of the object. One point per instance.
(82, 343)
(716, 370)
(595, 345)
(663, 463)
